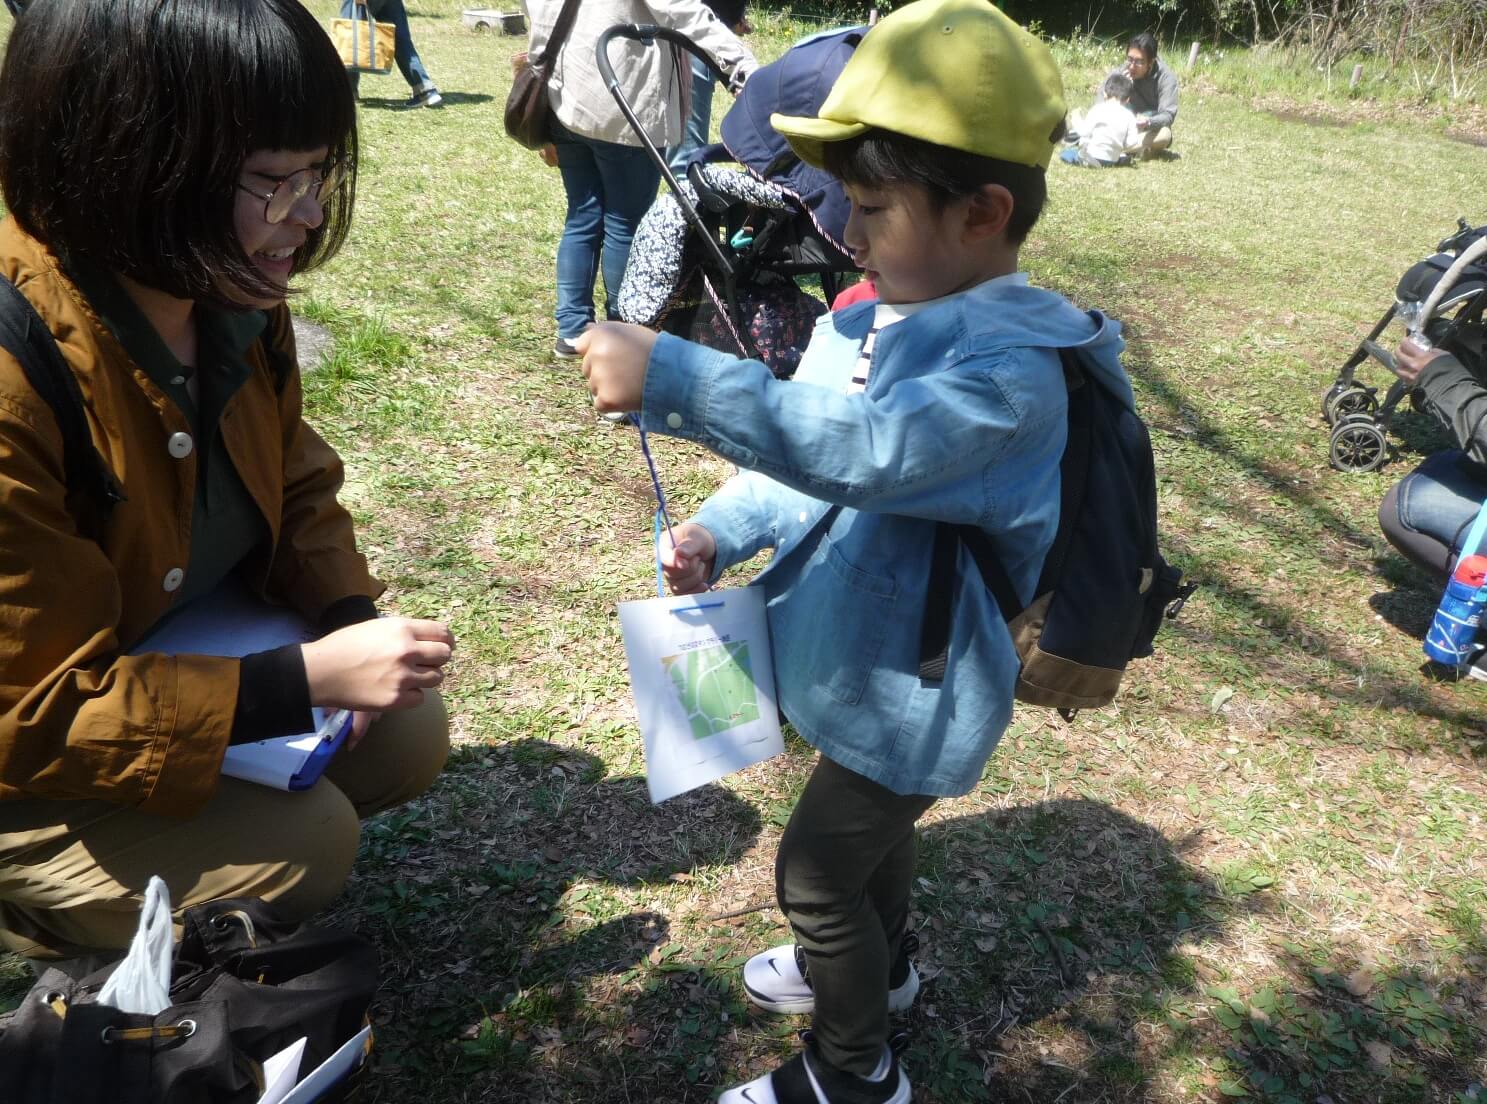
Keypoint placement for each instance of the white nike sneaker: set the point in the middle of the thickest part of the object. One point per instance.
(806, 1079)
(778, 980)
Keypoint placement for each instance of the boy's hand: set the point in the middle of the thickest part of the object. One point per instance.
(689, 565)
(614, 358)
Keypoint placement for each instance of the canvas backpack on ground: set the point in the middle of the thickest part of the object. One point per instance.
(1104, 588)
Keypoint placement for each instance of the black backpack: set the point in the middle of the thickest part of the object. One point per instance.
(1104, 588)
(92, 490)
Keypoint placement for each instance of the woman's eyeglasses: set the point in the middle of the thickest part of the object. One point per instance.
(324, 180)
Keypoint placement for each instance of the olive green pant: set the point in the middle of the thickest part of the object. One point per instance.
(73, 873)
(843, 875)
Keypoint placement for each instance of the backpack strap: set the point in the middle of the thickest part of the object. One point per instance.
(934, 631)
(25, 336)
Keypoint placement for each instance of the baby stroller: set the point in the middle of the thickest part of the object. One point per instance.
(1442, 297)
(719, 259)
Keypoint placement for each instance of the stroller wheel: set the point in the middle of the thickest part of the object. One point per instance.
(1358, 445)
(1342, 399)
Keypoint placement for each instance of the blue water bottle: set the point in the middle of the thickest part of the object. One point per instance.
(1453, 631)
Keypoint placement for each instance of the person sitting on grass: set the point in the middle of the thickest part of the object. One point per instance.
(1427, 513)
(157, 245)
(1153, 94)
(1108, 135)
(943, 400)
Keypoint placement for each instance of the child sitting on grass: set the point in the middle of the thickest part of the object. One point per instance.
(1108, 135)
(941, 400)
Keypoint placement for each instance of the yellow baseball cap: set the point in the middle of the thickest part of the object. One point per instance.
(956, 73)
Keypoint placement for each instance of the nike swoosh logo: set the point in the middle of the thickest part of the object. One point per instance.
(748, 1096)
(774, 967)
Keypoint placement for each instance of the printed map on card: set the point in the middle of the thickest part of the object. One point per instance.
(703, 684)
(715, 686)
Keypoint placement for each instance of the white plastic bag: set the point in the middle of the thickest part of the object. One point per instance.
(141, 983)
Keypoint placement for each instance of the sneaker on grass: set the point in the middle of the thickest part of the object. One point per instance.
(778, 980)
(564, 349)
(807, 1079)
(424, 96)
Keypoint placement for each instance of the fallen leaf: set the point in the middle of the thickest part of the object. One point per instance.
(1220, 696)
(1380, 1054)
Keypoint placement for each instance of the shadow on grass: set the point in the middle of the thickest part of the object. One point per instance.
(1066, 941)
(488, 947)
(1062, 952)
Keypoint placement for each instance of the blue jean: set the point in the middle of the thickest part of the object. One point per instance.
(610, 187)
(409, 63)
(1432, 508)
(698, 120)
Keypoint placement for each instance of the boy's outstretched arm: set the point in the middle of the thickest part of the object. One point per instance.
(900, 452)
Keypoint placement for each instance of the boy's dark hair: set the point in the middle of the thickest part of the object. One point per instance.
(882, 158)
(1146, 42)
(1117, 86)
(127, 123)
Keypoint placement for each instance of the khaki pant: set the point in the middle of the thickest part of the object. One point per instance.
(1155, 141)
(73, 873)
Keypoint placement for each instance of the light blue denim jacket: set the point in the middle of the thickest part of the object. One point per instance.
(964, 420)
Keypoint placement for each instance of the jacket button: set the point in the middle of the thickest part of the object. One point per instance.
(173, 579)
(180, 445)
(674, 420)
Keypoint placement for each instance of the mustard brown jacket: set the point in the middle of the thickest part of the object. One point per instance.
(78, 718)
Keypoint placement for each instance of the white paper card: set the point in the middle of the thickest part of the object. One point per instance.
(703, 682)
(281, 1072)
(332, 1071)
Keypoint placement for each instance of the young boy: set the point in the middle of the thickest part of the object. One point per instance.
(1108, 134)
(943, 400)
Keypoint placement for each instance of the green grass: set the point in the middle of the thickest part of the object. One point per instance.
(1278, 800)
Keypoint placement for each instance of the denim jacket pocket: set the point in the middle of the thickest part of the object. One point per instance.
(833, 640)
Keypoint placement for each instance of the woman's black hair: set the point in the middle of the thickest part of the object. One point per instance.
(127, 122)
(1146, 42)
(885, 159)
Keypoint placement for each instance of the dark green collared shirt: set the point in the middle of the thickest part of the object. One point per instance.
(225, 522)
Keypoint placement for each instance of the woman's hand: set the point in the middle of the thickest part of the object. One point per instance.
(688, 566)
(383, 664)
(1410, 360)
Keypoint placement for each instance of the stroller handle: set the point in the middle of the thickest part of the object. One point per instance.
(647, 33)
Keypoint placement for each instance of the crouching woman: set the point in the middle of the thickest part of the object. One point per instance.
(169, 167)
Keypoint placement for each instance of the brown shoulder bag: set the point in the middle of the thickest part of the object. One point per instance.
(527, 108)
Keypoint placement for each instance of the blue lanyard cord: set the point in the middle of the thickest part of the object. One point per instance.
(661, 513)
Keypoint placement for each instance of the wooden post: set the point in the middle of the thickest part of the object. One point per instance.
(1193, 56)
(1357, 76)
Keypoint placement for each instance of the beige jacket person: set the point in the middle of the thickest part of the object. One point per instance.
(78, 718)
(649, 76)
